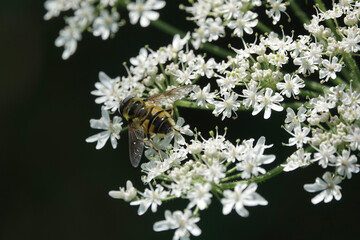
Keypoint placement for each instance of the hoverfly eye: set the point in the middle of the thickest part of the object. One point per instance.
(134, 108)
(124, 103)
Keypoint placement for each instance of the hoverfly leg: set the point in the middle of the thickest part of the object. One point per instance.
(152, 145)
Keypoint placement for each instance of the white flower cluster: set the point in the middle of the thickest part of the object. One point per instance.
(328, 125)
(212, 17)
(101, 17)
(314, 73)
(197, 172)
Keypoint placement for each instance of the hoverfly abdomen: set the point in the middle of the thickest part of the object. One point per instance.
(161, 123)
(166, 126)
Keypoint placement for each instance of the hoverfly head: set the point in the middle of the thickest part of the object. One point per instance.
(123, 105)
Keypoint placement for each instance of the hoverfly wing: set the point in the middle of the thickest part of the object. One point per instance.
(136, 144)
(170, 96)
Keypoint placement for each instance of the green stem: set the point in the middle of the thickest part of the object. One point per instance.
(123, 129)
(231, 170)
(176, 112)
(306, 93)
(338, 81)
(216, 50)
(168, 198)
(215, 190)
(196, 211)
(299, 12)
(167, 28)
(315, 86)
(187, 104)
(272, 173)
(293, 105)
(232, 177)
(354, 70)
(262, 27)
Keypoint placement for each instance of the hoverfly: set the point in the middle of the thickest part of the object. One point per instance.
(147, 117)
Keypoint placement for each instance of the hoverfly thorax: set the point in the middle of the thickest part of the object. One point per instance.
(132, 108)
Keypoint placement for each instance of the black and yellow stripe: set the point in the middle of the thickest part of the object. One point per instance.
(153, 119)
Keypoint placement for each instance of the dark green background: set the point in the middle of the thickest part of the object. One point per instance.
(54, 185)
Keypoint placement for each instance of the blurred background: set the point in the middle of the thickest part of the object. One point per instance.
(54, 185)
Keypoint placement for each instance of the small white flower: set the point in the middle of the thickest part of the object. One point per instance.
(178, 43)
(324, 154)
(203, 96)
(181, 185)
(243, 195)
(179, 130)
(199, 196)
(322, 104)
(251, 95)
(195, 147)
(214, 28)
(244, 22)
(276, 8)
(54, 7)
(185, 76)
(214, 172)
(293, 121)
(300, 158)
(107, 91)
(128, 194)
(106, 24)
(144, 11)
(85, 14)
(299, 136)
(228, 105)
(184, 223)
(151, 198)
(350, 43)
(353, 138)
(112, 129)
(346, 164)
(268, 102)
(291, 85)
(330, 69)
(307, 65)
(329, 188)
(253, 158)
(68, 37)
(108, 2)
(230, 8)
